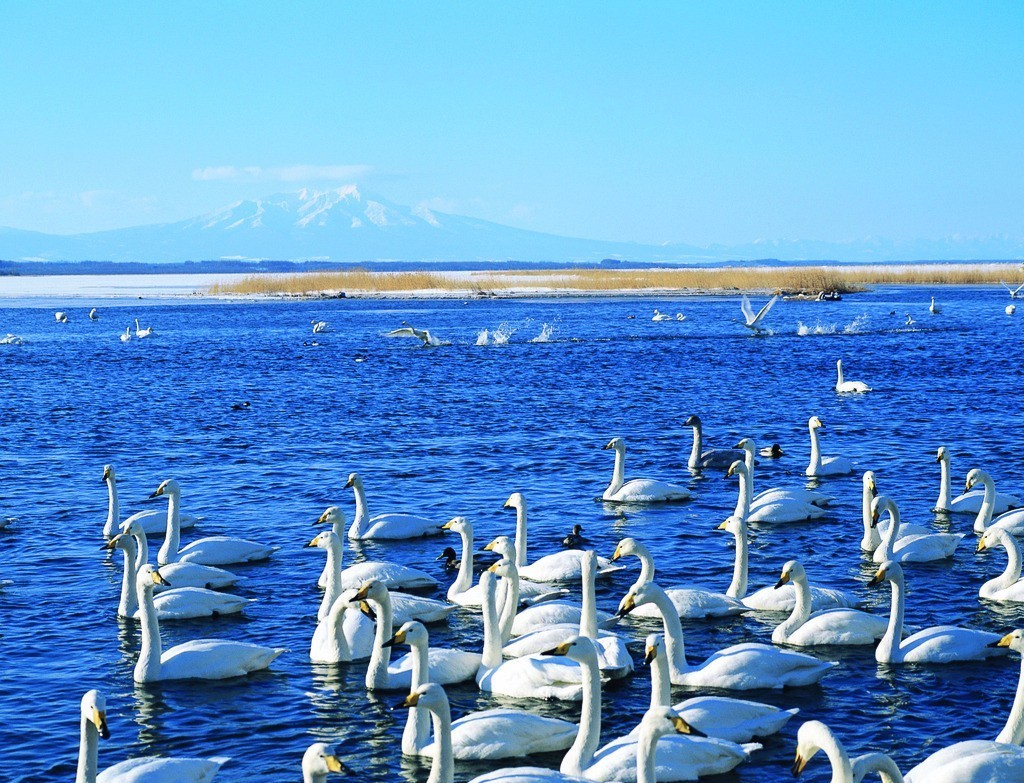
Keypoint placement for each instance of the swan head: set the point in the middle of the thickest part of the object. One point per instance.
(739, 467)
(321, 758)
(660, 721)
(637, 596)
(869, 482)
(942, 454)
(747, 444)
(977, 476)
(815, 423)
(133, 528)
(323, 540)
(807, 744)
(693, 420)
(412, 633)
(429, 695)
(458, 525)
(372, 590)
(615, 443)
(94, 711)
(792, 571)
(990, 539)
(653, 647)
(503, 568)
(732, 524)
(889, 570)
(879, 503)
(581, 649)
(504, 546)
(353, 481)
(108, 473)
(627, 546)
(122, 541)
(516, 501)
(148, 577)
(169, 488)
(1014, 640)
(331, 516)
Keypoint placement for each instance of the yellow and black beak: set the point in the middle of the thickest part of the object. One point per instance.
(489, 547)
(982, 546)
(159, 579)
(731, 470)
(99, 718)
(784, 579)
(158, 493)
(398, 638)
(628, 605)
(878, 578)
(650, 654)
(562, 649)
(723, 526)
(322, 519)
(494, 568)
(1004, 642)
(348, 484)
(365, 609)
(363, 591)
(409, 701)
(682, 727)
(798, 765)
(617, 553)
(874, 518)
(334, 763)
(447, 525)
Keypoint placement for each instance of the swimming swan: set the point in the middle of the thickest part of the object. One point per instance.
(939, 644)
(137, 770)
(152, 521)
(319, 760)
(933, 308)
(736, 720)
(848, 387)
(814, 735)
(660, 316)
(1008, 586)
(212, 550)
(831, 626)
(178, 603)
(182, 574)
(701, 459)
(126, 336)
(760, 502)
(390, 526)
(1010, 520)
(638, 490)
(777, 509)
(690, 602)
(203, 659)
(824, 466)
(874, 528)
(910, 548)
(344, 634)
(738, 667)
(969, 502)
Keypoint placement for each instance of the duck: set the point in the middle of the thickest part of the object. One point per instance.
(450, 558)
(939, 644)
(202, 659)
(178, 603)
(152, 521)
(182, 574)
(824, 466)
(319, 760)
(738, 667)
(971, 501)
(1012, 521)
(848, 387)
(446, 665)
(736, 720)
(875, 527)
(1008, 587)
(93, 721)
(828, 627)
(909, 548)
(762, 501)
(777, 508)
(772, 452)
(703, 459)
(142, 333)
(689, 602)
(638, 490)
(563, 566)
(391, 527)
(575, 539)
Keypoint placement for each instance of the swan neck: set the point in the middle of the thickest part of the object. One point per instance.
(743, 499)
(521, 535)
(113, 509)
(417, 726)
(748, 461)
(800, 614)
(839, 373)
(888, 540)
(464, 579)
(645, 755)
(698, 442)
(646, 565)
(888, 650)
(88, 753)
(661, 682)
(491, 657)
(147, 668)
(618, 473)
(943, 503)
(673, 631)
(842, 768)
(510, 605)
(129, 597)
(377, 670)
(169, 549)
(142, 543)
(336, 631)
(442, 769)
(871, 539)
(362, 517)
(984, 518)
(815, 464)
(581, 754)
(1013, 731)
(588, 609)
(738, 586)
(333, 571)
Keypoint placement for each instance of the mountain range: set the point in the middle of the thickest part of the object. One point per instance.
(344, 225)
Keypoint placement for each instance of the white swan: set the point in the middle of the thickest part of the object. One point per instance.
(1008, 587)
(319, 327)
(760, 503)
(1010, 309)
(178, 603)
(813, 736)
(1011, 521)
(690, 602)
(562, 566)
(212, 550)
(392, 575)
(152, 521)
(614, 660)
(638, 490)
(739, 667)
(344, 634)
(753, 322)
(777, 509)
(848, 387)
(824, 466)
(831, 626)
(94, 314)
(141, 333)
(939, 644)
(390, 526)
(701, 458)
(873, 527)
(126, 336)
(533, 676)
(60, 317)
(1014, 292)
(319, 760)
(933, 308)
(203, 659)
(736, 720)
(422, 335)
(446, 666)
(660, 316)
(93, 723)
(970, 502)
(182, 574)
(909, 548)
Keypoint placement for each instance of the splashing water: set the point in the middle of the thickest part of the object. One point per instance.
(545, 334)
(819, 328)
(503, 333)
(483, 337)
(856, 326)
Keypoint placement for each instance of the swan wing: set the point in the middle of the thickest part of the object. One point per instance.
(527, 775)
(405, 607)
(403, 331)
(768, 599)
(947, 644)
(839, 626)
(782, 510)
(446, 666)
(643, 490)
(922, 549)
(738, 720)
(397, 526)
(196, 575)
(974, 761)
(748, 311)
(547, 677)
(1011, 521)
(215, 659)
(224, 550)
(162, 770)
(676, 757)
(505, 733)
(391, 575)
(694, 603)
(764, 310)
(182, 603)
(752, 665)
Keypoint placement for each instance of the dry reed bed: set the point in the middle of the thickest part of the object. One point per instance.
(783, 279)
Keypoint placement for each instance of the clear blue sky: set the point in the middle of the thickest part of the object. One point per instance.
(646, 121)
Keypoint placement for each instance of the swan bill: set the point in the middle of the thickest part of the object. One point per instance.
(363, 591)
(409, 701)
(628, 605)
(1004, 642)
(878, 578)
(562, 649)
(783, 580)
(99, 719)
(682, 727)
(982, 546)
(313, 542)
(650, 654)
(798, 765)
(159, 579)
(724, 525)
(618, 552)
(398, 638)
(334, 763)
(323, 518)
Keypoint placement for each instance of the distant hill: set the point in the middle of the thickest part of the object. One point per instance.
(346, 226)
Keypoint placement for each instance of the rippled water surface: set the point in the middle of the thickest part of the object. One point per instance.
(454, 430)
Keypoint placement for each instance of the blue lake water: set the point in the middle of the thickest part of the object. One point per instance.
(454, 430)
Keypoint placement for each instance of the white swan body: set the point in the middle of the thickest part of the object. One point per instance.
(775, 495)
(775, 509)
(824, 466)
(831, 626)
(344, 634)
(737, 720)
(126, 335)
(690, 602)
(638, 490)
(563, 566)
(211, 551)
(848, 387)
(152, 521)
(204, 659)
(939, 644)
(392, 526)
(701, 459)
(990, 502)
(178, 603)
(660, 316)
(93, 725)
(739, 667)
(910, 548)
(446, 666)
(180, 574)
(141, 332)
(875, 528)
(970, 502)
(1008, 587)
(60, 317)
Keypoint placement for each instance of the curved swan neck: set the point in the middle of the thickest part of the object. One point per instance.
(661, 682)
(336, 630)
(147, 668)
(581, 754)
(333, 570)
(1013, 565)
(618, 472)
(88, 752)
(695, 451)
(377, 670)
(880, 763)
(815, 464)
(842, 768)
(464, 579)
(743, 499)
(588, 610)
(442, 768)
(738, 586)
(491, 657)
(888, 650)
(416, 734)
(172, 540)
(646, 747)
(673, 630)
(113, 509)
(142, 555)
(362, 516)
(521, 534)
(510, 605)
(1013, 731)
(129, 596)
(888, 541)
(801, 611)
(945, 493)
(646, 564)
(984, 518)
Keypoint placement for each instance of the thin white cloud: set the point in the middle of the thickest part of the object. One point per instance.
(296, 173)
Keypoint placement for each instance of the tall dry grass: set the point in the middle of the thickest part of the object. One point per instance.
(781, 279)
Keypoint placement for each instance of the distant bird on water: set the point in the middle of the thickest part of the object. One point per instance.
(1011, 309)
(93, 314)
(753, 322)
(140, 332)
(241, 406)
(319, 327)
(127, 335)
(61, 317)
(1013, 291)
(411, 331)
(660, 316)
(910, 320)
(934, 309)
(575, 539)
